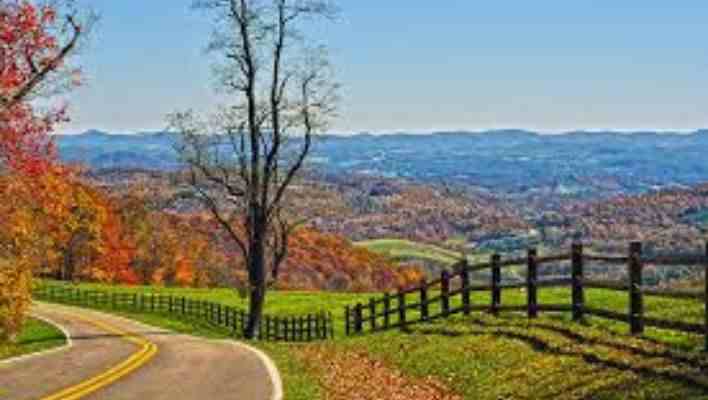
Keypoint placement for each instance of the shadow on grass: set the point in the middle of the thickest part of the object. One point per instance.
(661, 363)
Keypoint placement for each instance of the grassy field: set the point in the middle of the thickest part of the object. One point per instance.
(491, 358)
(401, 250)
(35, 336)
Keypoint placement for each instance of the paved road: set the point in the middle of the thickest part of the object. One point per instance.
(138, 362)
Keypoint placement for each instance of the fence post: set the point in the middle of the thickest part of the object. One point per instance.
(276, 328)
(496, 281)
(309, 327)
(326, 325)
(401, 309)
(705, 298)
(285, 329)
(465, 276)
(302, 328)
(372, 314)
(531, 282)
(387, 310)
(424, 307)
(577, 281)
(359, 318)
(636, 305)
(347, 315)
(445, 293)
(264, 327)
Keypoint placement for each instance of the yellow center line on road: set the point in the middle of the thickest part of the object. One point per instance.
(147, 351)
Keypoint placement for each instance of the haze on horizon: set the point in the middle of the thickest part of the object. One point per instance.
(414, 65)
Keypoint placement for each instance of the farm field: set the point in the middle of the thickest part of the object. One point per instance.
(477, 356)
(398, 249)
(36, 336)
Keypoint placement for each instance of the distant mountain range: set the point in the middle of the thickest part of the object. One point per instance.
(510, 161)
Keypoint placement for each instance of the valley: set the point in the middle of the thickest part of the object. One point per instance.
(423, 226)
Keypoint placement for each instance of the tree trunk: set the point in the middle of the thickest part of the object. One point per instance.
(68, 266)
(257, 278)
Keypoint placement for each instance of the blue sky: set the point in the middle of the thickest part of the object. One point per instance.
(423, 65)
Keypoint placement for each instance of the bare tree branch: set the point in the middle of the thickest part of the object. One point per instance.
(252, 150)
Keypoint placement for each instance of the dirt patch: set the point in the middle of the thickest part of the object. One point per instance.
(347, 375)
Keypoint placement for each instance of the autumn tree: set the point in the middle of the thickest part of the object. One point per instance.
(36, 40)
(35, 44)
(244, 157)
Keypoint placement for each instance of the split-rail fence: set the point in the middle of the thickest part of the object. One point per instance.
(303, 328)
(450, 294)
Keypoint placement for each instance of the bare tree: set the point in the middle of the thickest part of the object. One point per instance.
(243, 158)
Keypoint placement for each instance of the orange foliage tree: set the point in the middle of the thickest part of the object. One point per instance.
(168, 249)
(34, 46)
(318, 260)
(84, 234)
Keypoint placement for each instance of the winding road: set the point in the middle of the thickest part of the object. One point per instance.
(113, 358)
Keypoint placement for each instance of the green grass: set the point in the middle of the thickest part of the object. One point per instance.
(400, 250)
(36, 336)
(277, 302)
(490, 358)
(482, 357)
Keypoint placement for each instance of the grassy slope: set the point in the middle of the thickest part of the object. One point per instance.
(35, 336)
(277, 303)
(490, 358)
(404, 250)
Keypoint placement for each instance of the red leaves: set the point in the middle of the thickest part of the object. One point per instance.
(29, 54)
(25, 144)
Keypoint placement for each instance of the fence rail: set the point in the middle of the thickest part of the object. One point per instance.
(304, 328)
(413, 305)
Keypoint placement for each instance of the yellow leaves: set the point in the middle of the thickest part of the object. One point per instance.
(56, 222)
(354, 375)
(15, 288)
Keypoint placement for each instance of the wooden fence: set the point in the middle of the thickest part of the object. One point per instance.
(434, 299)
(310, 327)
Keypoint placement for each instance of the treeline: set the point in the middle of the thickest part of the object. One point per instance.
(77, 231)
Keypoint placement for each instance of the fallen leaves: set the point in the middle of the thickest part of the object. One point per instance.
(355, 376)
